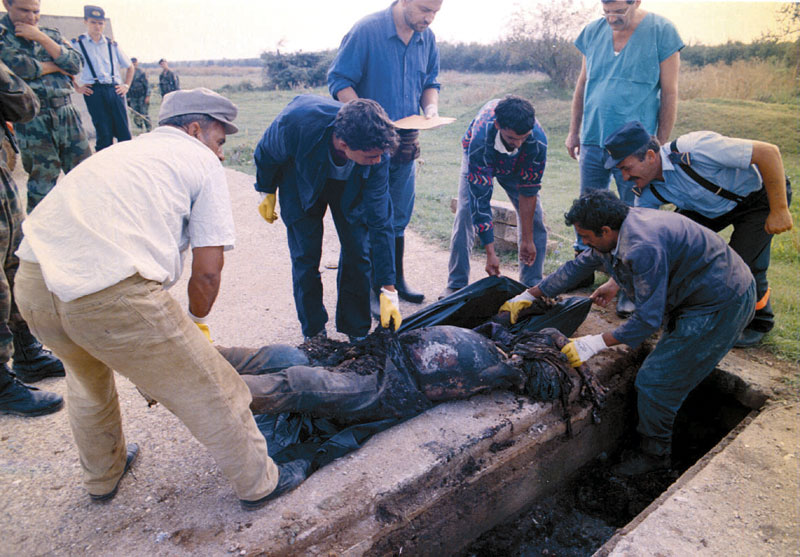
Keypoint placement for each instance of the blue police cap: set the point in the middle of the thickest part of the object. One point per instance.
(625, 141)
(93, 12)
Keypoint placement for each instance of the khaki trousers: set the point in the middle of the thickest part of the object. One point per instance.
(139, 330)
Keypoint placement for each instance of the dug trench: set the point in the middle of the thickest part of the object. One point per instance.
(498, 463)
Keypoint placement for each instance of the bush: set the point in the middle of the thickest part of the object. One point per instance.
(299, 69)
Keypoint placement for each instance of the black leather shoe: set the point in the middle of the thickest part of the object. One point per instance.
(22, 400)
(748, 338)
(290, 475)
(133, 452)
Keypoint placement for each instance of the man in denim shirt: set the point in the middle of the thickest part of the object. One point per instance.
(679, 274)
(391, 57)
(506, 142)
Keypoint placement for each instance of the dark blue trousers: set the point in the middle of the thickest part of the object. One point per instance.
(352, 283)
(109, 115)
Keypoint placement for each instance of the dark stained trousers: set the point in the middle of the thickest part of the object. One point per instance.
(352, 281)
(109, 115)
(751, 242)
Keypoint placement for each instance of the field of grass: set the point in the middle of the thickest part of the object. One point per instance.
(754, 115)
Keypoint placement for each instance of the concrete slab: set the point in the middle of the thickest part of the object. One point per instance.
(741, 499)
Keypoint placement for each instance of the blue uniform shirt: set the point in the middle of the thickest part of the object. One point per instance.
(668, 264)
(374, 61)
(724, 161)
(520, 172)
(98, 55)
(292, 157)
(625, 86)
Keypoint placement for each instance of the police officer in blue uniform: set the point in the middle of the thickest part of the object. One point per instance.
(100, 80)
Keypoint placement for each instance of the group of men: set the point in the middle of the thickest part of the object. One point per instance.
(100, 250)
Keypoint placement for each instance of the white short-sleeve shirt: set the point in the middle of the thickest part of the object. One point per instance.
(134, 207)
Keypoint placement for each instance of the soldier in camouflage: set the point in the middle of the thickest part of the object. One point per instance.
(18, 103)
(167, 79)
(139, 97)
(55, 139)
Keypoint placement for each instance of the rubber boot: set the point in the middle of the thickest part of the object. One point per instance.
(32, 362)
(403, 290)
(22, 400)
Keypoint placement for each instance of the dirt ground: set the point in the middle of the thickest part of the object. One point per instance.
(175, 492)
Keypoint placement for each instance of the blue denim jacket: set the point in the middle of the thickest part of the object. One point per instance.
(374, 61)
(292, 158)
(668, 264)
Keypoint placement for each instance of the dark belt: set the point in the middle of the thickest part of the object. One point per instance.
(55, 102)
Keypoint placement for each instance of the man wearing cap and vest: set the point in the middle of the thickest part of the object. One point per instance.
(101, 80)
(716, 181)
(95, 261)
(55, 139)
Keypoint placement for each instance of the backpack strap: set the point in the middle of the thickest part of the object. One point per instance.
(684, 160)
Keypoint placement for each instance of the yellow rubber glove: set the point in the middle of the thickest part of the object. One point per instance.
(582, 348)
(390, 311)
(267, 208)
(201, 324)
(517, 304)
(206, 331)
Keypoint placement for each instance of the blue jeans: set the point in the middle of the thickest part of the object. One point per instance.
(401, 190)
(352, 281)
(594, 176)
(463, 238)
(689, 349)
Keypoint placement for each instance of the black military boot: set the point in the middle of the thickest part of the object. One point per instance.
(32, 362)
(404, 291)
(23, 400)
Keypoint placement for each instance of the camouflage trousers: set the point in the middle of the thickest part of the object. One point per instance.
(11, 217)
(51, 142)
(140, 107)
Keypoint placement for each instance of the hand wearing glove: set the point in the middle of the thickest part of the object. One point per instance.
(517, 304)
(390, 311)
(267, 208)
(582, 348)
(201, 324)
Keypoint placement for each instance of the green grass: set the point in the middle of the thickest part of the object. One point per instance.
(464, 94)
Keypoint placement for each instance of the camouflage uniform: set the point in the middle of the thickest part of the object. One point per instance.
(139, 99)
(17, 102)
(168, 82)
(55, 139)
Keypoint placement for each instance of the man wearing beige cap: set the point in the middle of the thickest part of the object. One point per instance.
(97, 257)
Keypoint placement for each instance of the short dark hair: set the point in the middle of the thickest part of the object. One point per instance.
(596, 209)
(515, 113)
(134, 59)
(183, 120)
(162, 60)
(364, 126)
(652, 145)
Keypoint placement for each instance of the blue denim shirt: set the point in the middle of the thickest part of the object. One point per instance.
(292, 158)
(668, 264)
(374, 61)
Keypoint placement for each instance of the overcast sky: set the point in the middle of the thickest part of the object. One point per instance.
(215, 29)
